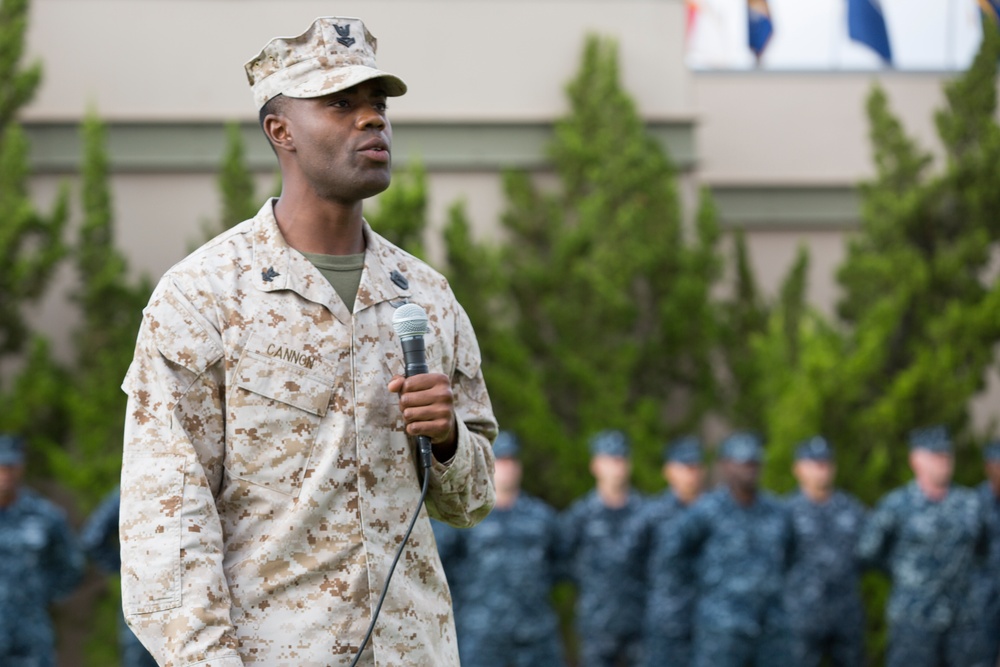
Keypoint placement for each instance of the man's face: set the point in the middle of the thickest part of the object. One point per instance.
(10, 481)
(685, 479)
(743, 475)
(342, 142)
(507, 475)
(934, 468)
(812, 474)
(612, 470)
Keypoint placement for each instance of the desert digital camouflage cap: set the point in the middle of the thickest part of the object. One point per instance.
(686, 450)
(334, 54)
(11, 450)
(506, 446)
(932, 438)
(816, 448)
(609, 443)
(742, 448)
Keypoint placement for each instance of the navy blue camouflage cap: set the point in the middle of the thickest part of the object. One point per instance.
(816, 448)
(686, 450)
(11, 449)
(742, 448)
(506, 446)
(931, 438)
(991, 452)
(609, 443)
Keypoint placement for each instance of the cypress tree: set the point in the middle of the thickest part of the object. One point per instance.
(30, 242)
(600, 313)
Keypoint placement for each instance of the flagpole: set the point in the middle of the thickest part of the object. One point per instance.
(949, 42)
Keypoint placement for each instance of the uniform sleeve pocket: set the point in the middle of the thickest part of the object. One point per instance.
(150, 530)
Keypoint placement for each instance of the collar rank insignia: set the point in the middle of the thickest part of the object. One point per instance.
(269, 275)
(399, 279)
(345, 35)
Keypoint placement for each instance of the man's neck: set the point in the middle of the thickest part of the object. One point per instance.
(818, 495)
(320, 226)
(7, 500)
(614, 497)
(743, 496)
(506, 498)
(934, 492)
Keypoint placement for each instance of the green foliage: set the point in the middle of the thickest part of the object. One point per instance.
(236, 187)
(30, 242)
(401, 215)
(110, 304)
(595, 312)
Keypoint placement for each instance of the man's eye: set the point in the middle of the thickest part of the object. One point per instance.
(382, 106)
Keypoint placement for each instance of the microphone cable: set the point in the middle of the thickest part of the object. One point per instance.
(424, 444)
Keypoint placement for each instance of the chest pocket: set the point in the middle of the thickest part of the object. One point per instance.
(274, 413)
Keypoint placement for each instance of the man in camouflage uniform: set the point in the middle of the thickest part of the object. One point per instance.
(269, 465)
(987, 586)
(504, 569)
(929, 536)
(40, 562)
(99, 538)
(738, 541)
(605, 559)
(667, 626)
(823, 588)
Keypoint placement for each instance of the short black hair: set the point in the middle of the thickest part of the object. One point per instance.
(275, 105)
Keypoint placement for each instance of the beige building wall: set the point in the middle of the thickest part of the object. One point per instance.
(782, 151)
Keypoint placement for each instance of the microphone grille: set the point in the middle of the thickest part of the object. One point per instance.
(409, 320)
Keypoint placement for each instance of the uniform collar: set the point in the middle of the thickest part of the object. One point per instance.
(278, 266)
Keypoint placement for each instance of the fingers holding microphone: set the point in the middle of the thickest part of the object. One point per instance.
(427, 404)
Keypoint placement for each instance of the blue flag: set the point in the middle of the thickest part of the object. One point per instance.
(866, 24)
(760, 27)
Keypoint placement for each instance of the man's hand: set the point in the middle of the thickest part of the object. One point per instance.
(427, 405)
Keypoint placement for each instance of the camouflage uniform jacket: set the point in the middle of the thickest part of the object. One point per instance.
(505, 569)
(605, 561)
(672, 594)
(823, 586)
(930, 550)
(740, 557)
(267, 477)
(41, 562)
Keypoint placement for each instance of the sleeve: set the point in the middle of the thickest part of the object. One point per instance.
(460, 491)
(99, 535)
(174, 592)
(65, 561)
(877, 536)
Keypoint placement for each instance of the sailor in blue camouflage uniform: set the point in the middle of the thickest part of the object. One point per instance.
(504, 570)
(99, 538)
(41, 563)
(738, 541)
(823, 587)
(605, 559)
(929, 537)
(988, 584)
(667, 626)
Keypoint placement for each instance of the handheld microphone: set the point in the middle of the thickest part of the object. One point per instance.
(410, 324)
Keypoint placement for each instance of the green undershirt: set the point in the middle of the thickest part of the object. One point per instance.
(343, 272)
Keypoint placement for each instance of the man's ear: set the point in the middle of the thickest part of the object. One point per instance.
(278, 131)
